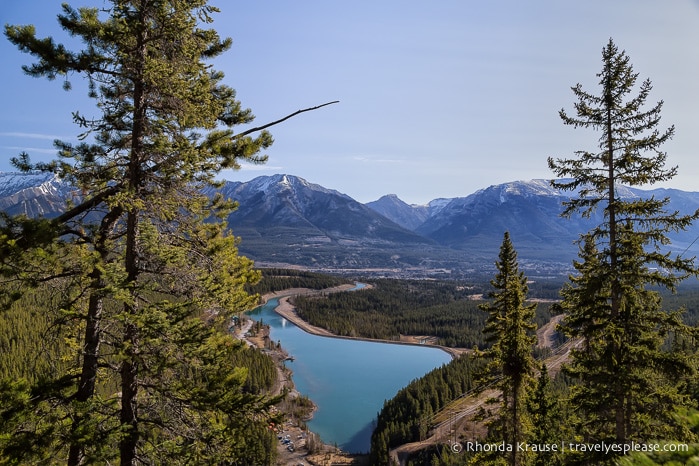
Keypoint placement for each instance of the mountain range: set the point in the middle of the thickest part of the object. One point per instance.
(285, 220)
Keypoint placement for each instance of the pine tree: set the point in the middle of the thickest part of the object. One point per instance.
(626, 389)
(545, 415)
(510, 329)
(148, 274)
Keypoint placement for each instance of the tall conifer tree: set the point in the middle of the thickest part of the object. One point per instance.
(148, 273)
(510, 328)
(626, 390)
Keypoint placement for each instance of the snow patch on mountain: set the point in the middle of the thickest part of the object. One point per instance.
(13, 182)
(34, 194)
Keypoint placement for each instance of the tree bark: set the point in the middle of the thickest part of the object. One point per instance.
(93, 332)
(129, 391)
(130, 366)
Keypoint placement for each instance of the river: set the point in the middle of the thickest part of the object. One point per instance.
(348, 380)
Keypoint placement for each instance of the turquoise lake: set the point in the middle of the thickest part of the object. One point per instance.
(348, 380)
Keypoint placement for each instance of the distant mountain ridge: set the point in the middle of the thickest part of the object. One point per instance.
(407, 216)
(284, 219)
(530, 211)
(272, 205)
(34, 194)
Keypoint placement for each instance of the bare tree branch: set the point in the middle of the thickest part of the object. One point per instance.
(265, 126)
(101, 197)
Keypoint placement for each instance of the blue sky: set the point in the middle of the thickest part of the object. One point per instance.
(437, 99)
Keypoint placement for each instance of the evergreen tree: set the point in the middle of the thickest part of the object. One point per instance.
(510, 328)
(147, 273)
(626, 390)
(545, 415)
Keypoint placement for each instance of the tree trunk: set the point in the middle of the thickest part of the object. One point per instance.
(93, 333)
(129, 391)
(88, 375)
(516, 421)
(615, 298)
(130, 367)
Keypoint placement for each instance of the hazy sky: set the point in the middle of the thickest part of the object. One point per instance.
(437, 99)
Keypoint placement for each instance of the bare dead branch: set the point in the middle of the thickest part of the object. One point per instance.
(265, 126)
(102, 196)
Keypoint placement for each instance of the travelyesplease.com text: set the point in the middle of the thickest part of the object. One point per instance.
(602, 447)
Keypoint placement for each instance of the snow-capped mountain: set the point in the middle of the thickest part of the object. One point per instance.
(530, 211)
(34, 194)
(286, 219)
(273, 203)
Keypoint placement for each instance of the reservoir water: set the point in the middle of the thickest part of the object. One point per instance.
(347, 379)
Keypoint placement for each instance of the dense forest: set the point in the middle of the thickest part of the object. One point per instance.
(443, 309)
(407, 416)
(31, 344)
(27, 347)
(275, 279)
(35, 342)
(411, 414)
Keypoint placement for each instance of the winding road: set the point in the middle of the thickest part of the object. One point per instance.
(444, 423)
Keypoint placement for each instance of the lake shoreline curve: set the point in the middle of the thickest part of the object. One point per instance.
(290, 313)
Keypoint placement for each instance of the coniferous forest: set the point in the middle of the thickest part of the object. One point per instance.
(284, 279)
(116, 315)
(444, 309)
